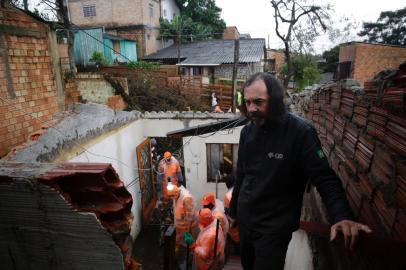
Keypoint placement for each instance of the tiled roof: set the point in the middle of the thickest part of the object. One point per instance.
(213, 52)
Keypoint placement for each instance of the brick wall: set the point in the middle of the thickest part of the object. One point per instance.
(27, 85)
(363, 134)
(369, 59)
(94, 88)
(278, 57)
(231, 32)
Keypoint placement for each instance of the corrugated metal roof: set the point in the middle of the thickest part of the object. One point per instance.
(213, 52)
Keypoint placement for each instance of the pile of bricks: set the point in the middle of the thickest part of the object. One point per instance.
(363, 133)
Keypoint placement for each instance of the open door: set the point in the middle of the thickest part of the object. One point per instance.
(147, 185)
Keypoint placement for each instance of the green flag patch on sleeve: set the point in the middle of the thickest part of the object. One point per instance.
(320, 154)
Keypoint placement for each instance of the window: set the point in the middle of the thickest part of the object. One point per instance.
(221, 159)
(182, 71)
(197, 71)
(89, 11)
(344, 70)
(151, 10)
(164, 13)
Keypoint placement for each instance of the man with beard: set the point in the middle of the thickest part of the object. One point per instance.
(279, 153)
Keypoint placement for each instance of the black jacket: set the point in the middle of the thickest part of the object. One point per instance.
(275, 162)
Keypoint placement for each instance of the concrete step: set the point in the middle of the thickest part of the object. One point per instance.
(233, 263)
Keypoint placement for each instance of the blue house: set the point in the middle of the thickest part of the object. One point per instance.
(115, 49)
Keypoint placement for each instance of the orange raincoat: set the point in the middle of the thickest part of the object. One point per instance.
(184, 215)
(203, 258)
(233, 231)
(172, 170)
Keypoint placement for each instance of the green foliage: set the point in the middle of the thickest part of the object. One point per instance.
(390, 28)
(199, 20)
(98, 57)
(305, 71)
(332, 58)
(144, 65)
(184, 28)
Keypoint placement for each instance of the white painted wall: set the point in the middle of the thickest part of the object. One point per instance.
(121, 146)
(168, 8)
(194, 151)
(299, 255)
(119, 149)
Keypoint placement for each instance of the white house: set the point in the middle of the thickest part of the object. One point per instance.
(169, 9)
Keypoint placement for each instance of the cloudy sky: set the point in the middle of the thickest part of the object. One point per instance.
(255, 16)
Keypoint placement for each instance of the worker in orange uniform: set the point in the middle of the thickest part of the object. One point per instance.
(206, 255)
(233, 231)
(184, 213)
(169, 169)
(216, 206)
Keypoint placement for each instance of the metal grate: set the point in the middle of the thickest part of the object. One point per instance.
(89, 11)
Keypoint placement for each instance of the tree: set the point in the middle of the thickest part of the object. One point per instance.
(305, 71)
(303, 22)
(204, 13)
(332, 58)
(390, 28)
(181, 28)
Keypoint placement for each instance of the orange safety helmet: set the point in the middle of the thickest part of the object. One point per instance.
(208, 198)
(205, 217)
(167, 155)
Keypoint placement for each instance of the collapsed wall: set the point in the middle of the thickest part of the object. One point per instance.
(67, 216)
(363, 134)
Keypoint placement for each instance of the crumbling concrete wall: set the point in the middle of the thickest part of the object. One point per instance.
(67, 216)
(95, 133)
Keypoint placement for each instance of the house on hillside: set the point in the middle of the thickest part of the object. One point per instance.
(362, 61)
(136, 20)
(115, 49)
(274, 61)
(213, 59)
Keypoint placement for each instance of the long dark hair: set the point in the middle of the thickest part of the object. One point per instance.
(276, 106)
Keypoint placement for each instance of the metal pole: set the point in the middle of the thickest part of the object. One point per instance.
(235, 70)
(216, 239)
(217, 182)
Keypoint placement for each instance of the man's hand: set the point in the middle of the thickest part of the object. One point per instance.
(350, 230)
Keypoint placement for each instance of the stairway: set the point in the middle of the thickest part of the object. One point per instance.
(233, 263)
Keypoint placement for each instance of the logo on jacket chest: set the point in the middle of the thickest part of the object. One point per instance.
(273, 155)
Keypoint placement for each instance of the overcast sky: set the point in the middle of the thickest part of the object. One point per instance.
(255, 16)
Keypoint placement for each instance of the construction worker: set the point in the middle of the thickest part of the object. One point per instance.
(216, 206)
(208, 254)
(169, 171)
(183, 212)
